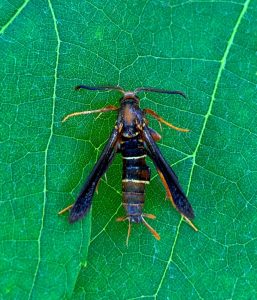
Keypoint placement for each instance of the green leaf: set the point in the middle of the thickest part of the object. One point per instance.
(205, 48)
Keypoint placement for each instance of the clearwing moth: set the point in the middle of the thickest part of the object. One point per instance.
(134, 139)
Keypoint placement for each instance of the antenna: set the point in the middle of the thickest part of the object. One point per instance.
(160, 91)
(137, 90)
(100, 88)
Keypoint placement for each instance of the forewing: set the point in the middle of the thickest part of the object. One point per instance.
(178, 196)
(84, 200)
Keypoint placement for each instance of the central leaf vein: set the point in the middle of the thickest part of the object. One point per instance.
(47, 148)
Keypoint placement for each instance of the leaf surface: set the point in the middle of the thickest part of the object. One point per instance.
(208, 50)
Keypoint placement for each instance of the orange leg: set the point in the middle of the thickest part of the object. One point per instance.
(190, 223)
(150, 216)
(122, 219)
(70, 206)
(87, 112)
(65, 209)
(168, 194)
(97, 186)
(129, 232)
(160, 119)
(150, 228)
(155, 135)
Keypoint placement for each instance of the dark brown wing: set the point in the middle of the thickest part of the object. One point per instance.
(84, 200)
(178, 196)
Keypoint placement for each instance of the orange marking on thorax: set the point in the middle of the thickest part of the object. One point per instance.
(129, 117)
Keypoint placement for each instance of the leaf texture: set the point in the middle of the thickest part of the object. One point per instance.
(205, 48)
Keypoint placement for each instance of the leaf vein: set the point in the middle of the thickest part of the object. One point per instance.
(19, 10)
(47, 147)
(206, 117)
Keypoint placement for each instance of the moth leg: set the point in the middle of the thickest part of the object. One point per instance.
(155, 135)
(65, 209)
(129, 232)
(168, 195)
(160, 124)
(87, 112)
(150, 228)
(190, 223)
(149, 216)
(122, 219)
(97, 186)
(160, 119)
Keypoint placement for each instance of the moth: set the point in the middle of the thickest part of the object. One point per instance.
(134, 140)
